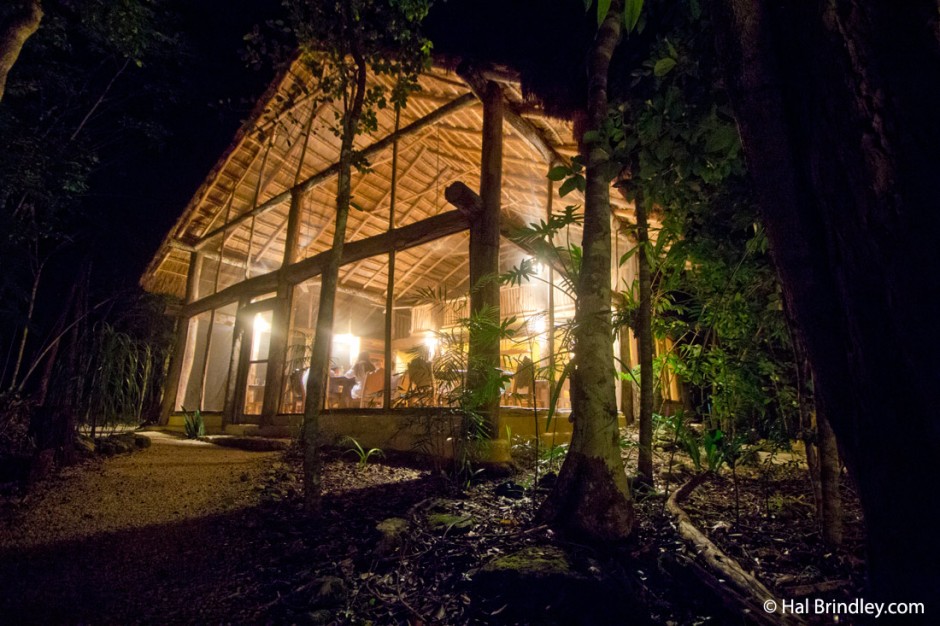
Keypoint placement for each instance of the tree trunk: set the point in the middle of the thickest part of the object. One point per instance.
(837, 108)
(830, 509)
(810, 442)
(591, 499)
(14, 34)
(644, 334)
(320, 357)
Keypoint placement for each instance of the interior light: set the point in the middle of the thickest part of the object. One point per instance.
(538, 325)
(537, 266)
(430, 342)
(261, 325)
(351, 342)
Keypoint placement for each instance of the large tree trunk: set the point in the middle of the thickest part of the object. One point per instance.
(591, 498)
(644, 335)
(837, 108)
(320, 356)
(14, 34)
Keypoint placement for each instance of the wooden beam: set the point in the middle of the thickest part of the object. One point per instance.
(192, 277)
(470, 204)
(415, 267)
(238, 181)
(398, 239)
(465, 199)
(524, 127)
(454, 105)
(460, 265)
(388, 194)
(413, 202)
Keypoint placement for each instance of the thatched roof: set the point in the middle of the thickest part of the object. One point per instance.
(241, 209)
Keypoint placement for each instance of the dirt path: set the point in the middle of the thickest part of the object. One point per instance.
(158, 536)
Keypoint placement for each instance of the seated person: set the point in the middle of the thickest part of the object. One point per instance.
(419, 373)
(419, 383)
(359, 371)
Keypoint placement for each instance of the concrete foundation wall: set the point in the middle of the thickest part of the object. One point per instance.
(426, 431)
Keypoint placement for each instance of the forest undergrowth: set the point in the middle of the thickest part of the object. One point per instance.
(352, 566)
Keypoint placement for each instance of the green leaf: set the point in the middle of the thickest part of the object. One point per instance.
(626, 256)
(559, 172)
(592, 137)
(631, 14)
(568, 186)
(724, 137)
(664, 66)
(603, 6)
(672, 50)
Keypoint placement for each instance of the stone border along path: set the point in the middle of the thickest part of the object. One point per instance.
(161, 535)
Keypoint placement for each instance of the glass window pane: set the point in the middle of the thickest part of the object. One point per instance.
(358, 350)
(219, 358)
(429, 341)
(254, 393)
(261, 335)
(190, 387)
(305, 302)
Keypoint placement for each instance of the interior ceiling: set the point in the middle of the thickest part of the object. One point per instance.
(276, 151)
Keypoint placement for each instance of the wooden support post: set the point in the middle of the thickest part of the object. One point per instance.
(171, 386)
(390, 285)
(240, 359)
(175, 370)
(480, 86)
(626, 386)
(205, 362)
(231, 403)
(484, 256)
(280, 319)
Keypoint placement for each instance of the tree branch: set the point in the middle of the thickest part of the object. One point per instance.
(14, 34)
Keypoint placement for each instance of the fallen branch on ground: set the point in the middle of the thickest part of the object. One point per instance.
(726, 567)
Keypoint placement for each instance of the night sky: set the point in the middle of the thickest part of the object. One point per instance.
(147, 190)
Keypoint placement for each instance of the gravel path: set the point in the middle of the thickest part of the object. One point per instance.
(162, 535)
